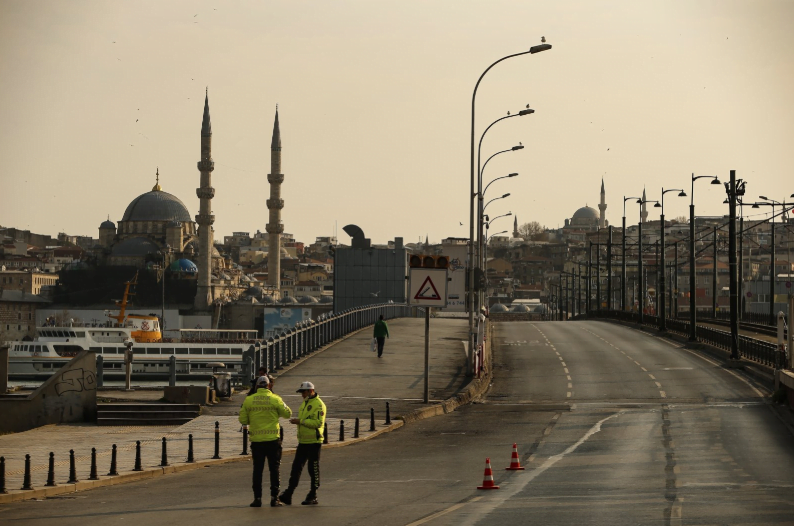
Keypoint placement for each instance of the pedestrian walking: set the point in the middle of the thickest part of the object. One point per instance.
(380, 333)
(310, 422)
(260, 412)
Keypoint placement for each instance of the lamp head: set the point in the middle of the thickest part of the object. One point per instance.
(527, 111)
(639, 201)
(539, 48)
(764, 198)
(657, 205)
(519, 147)
(682, 194)
(506, 195)
(716, 181)
(755, 205)
(512, 175)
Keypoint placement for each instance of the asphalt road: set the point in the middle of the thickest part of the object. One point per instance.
(614, 427)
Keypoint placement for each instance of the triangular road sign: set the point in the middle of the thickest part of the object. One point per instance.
(427, 291)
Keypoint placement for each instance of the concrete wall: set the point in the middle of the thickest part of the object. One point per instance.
(69, 395)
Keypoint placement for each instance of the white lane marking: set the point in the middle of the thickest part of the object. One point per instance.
(638, 363)
(570, 385)
(565, 369)
(569, 394)
(629, 357)
(658, 384)
(644, 369)
(677, 369)
(569, 377)
(652, 376)
(560, 357)
(715, 364)
(563, 365)
(662, 394)
(496, 501)
(443, 512)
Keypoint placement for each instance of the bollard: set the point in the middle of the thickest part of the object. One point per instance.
(245, 441)
(3, 475)
(355, 429)
(26, 481)
(137, 456)
(93, 475)
(325, 433)
(190, 449)
(341, 430)
(280, 435)
(72, 468)
(371, 419)
(388, 414)
(51, 471)
(113, 469)
(164, 456)
(171, 371)
(217, 440)
(100, 371)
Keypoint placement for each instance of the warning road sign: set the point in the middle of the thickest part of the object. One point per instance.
(428, 287)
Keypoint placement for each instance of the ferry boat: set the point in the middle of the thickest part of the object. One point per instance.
(194, 349)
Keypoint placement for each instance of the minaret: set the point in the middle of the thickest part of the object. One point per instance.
(602, 220)
(205, 218)
(644, 210)
(515, 227)
(274, 205)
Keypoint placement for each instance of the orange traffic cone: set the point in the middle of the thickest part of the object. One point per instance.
(487, 481)
(515, 464)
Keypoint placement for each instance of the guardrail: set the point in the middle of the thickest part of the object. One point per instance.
(765, 353)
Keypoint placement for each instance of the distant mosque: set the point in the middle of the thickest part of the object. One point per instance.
(587, 219)
(157, 225)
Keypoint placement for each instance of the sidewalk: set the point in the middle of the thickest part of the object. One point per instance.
(349, 378)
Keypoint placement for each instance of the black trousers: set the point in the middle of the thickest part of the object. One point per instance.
(306, 453)
(381, 341)
(272, 452)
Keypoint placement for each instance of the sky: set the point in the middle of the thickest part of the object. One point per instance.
(375, 106)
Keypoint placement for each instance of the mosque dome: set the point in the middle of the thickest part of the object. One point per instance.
(267, 299)
(307, 299)
(108, 224)
(519, 309)
(498, 307)
(288, 300)
(135, 246)
(156, 206)
(327, 299)
(183, 265)
(585, 212)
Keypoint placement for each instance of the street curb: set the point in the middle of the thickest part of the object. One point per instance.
(474, 390)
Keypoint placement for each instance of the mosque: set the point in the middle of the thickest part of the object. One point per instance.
(587, 219)
(157, 225)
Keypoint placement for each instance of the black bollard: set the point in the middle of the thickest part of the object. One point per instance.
(341, 430)
(355, 429)
(72, 468)
(93, 475)
(245, 441)
(3, 475)
(217, 440)
(164, 457)
(113, 469)
(388, 414)
(137, 456)
(51, 471)
(190, 449)
(325, 433)
(281, 435)
(26, 481)
(371, 419)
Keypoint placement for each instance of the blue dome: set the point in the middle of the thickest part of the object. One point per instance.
(183, 265)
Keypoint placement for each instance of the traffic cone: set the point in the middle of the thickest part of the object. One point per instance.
(487, 481)
(515, 464)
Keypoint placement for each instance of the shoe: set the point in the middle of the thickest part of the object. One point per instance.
(310, 501)
(256, 504)
(286, 498)
(275, 503)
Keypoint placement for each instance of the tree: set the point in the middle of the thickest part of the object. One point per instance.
(681, 219)
(530, 229)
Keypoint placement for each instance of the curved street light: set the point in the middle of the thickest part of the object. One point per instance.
(661, 287)
(692, 296)
(623, 270)
(472, 346)
(641, 286)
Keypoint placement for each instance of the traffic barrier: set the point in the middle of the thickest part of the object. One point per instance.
(190, 458)
(26, 480)
(487, 480)
(3, 475)
(164, 456)
(217, 440)
(137, 456)
(325, 433)
(371, 419)
(93, 475)
(72, 468)
(51, 471)
(515, 463)
(245, 441)
(341, 430)
(113, 469)
(355, 429)
(388, 414)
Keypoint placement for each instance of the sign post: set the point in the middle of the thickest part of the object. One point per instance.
(427, 287)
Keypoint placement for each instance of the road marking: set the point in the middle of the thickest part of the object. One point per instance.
(644, 369)
(715, 364)
(569, 394)
(663, 394)
(569, 379)
(629, 357)
(495, 502)
(443, 512)
(563, 365)
(638, 363)
(565, 369)
(658, 384)
(652, 376)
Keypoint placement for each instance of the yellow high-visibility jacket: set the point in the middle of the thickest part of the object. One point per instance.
(261, 412)
(312, 421)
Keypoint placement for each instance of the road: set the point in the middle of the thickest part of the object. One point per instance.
(614, 427)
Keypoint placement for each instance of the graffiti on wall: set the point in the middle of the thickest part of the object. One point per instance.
(76, 381)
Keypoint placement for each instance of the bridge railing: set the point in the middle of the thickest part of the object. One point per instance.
(753, 349)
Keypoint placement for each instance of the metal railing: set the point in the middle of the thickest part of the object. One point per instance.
(760, 351)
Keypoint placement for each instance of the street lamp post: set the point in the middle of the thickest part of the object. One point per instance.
(734, 191)
(623, 266)
(692, 286)
(609, 269)
(641, 291)
(660, 292)
(772, 273)
(589, 277)
(472, 343)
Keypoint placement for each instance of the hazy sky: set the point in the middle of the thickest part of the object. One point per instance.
(374, 103)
